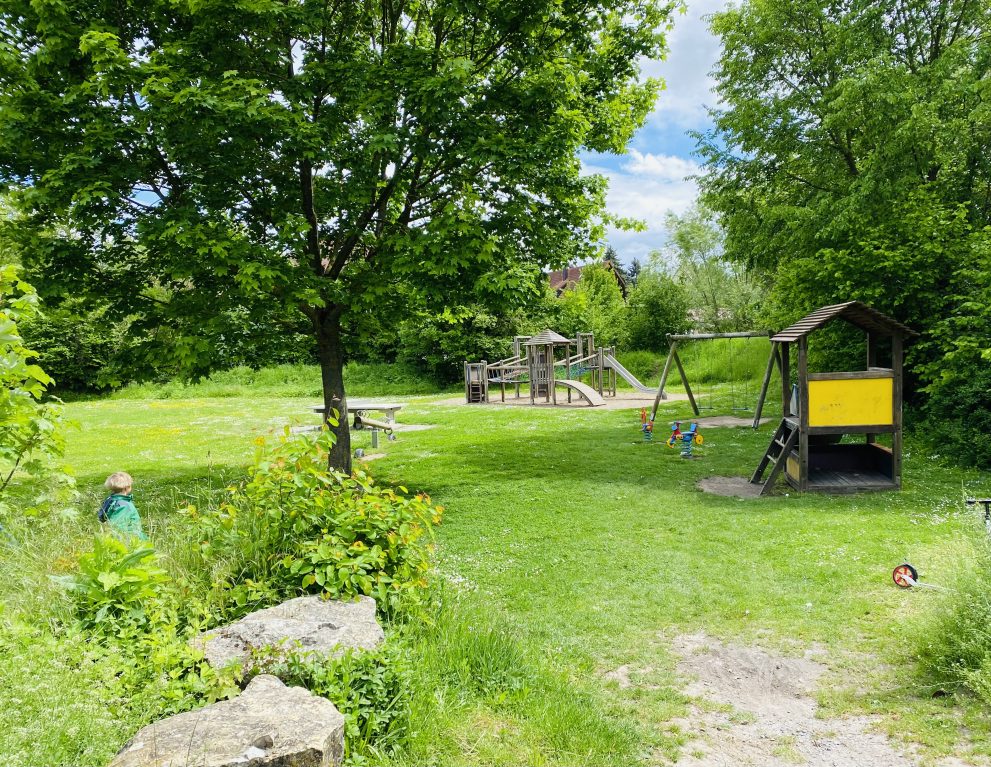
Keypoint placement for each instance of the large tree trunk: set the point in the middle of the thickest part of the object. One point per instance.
(327, 326)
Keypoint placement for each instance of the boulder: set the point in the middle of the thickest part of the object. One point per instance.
(267, 725)
(306, 625)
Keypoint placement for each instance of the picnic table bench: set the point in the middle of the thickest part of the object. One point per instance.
(359, 408)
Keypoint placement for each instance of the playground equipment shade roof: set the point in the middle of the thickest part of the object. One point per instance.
(854, 312)
(545, 337)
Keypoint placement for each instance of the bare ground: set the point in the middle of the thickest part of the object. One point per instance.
(773, 720)
(623, 400)
(739, 487)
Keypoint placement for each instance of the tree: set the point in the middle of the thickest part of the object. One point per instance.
(721, 294)
(850, 156)
(308, 155)
(594, 305)
(657, 306)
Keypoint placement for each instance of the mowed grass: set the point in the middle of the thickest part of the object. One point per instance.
(572, 548)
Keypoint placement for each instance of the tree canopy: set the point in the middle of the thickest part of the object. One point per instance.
(183, 159)
(849, 159)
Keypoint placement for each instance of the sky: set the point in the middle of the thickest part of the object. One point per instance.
(651, 179)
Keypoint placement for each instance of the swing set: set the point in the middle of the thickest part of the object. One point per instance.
(735, 395)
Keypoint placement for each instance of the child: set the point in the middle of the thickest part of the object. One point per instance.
(119, 509)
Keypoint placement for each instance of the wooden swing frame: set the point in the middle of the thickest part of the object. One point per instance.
(675, 339)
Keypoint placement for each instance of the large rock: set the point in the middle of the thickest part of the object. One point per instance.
(306, 625)
(268, 725)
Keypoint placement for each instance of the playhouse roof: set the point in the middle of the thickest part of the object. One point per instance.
(546, 337)
(854, 312)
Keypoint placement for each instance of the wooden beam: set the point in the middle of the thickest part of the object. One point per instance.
(765, 383)
(684, 380)
(709, 336)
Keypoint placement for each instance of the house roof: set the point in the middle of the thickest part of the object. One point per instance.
(854, 312)
(545, 337)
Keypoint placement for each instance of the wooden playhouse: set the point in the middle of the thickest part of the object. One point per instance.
(823, 408)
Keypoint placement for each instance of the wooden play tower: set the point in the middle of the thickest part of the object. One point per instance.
(808, 444)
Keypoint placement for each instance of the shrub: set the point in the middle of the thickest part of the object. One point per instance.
(31, 430)
(958, 413)
(371, 688)
(115, 584)
(298, 527)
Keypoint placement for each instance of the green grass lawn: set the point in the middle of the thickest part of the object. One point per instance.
(572, 548)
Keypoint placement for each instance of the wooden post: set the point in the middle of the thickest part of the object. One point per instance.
(602, 365)
(531, 356)
(896, 438)
(784, 358)
(765, 383)
(661, 394)
(803, 414)
(467, 383)
(551, 388)
(684, 380)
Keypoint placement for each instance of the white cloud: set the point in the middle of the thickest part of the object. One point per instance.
(663, 167)
(652, 180)
(647, 196)
(693, 51)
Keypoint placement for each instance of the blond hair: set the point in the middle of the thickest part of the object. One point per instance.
(118, 481)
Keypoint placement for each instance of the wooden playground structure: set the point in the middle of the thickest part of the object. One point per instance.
(544, 362)
(823, 407)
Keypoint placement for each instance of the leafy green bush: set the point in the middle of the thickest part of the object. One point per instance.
(80, 347)
(31, 430)
(958, 415)
(298, 527)
(657, 306)
(371, 688)
(115, 584)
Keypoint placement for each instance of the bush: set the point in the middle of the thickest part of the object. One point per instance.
(657, 306)
(80, 348)
(115, 584)
(298, 527)
(958, 415)
(371, 688)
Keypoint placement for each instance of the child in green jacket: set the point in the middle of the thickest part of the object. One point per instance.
(119, 510)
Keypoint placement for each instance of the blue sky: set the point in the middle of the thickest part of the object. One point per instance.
(651, 178)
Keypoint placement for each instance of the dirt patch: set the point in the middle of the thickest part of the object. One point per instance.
(731, 421)
(624, 400)
(772, 722)
(369, 457)
(401, 427)
(739, 487)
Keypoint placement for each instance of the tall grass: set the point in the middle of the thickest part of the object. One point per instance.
(361, 379)
(483, 695)
(954, 640)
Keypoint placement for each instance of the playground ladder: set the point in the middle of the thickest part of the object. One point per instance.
(785, 438)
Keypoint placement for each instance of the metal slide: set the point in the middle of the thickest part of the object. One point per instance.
(627, 376)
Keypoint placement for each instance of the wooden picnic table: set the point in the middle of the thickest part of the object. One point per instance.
(359, 408)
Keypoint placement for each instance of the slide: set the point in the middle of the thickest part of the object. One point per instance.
(627, 376)
(593, 397)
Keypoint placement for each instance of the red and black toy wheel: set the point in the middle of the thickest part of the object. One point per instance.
(904, 576)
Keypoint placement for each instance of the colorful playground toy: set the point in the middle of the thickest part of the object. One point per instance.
(687, 439)
(646, 425)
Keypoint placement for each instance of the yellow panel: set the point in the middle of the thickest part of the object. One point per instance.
(851, 402)
(791, 466)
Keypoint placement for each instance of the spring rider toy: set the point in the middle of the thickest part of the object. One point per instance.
(687, 439)
(646, 425)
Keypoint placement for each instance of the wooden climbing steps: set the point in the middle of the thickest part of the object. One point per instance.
(591, 395)
(782, 443)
